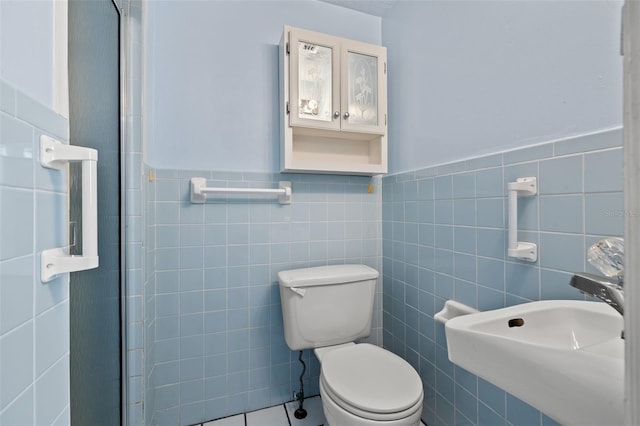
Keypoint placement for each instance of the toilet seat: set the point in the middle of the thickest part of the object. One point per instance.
(371, 382)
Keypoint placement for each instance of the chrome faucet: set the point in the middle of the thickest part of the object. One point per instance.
(609, 290)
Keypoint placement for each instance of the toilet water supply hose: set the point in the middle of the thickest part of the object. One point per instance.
(301, 413)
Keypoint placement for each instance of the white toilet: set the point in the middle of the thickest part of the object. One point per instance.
(328, 308)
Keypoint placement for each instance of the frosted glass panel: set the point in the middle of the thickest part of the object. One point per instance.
(94, 295)
(363, 89)
(314, 82)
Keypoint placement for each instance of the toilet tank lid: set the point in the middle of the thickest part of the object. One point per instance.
(325, 275)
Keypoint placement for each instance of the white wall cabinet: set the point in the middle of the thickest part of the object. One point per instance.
(334, 104)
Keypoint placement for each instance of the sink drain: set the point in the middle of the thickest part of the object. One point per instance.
(516, 322)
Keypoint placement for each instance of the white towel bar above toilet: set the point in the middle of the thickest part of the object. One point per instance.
(199, 191)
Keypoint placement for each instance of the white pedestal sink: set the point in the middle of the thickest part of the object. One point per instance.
(564, 357)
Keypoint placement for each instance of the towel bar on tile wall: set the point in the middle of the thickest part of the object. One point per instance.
(199, 191)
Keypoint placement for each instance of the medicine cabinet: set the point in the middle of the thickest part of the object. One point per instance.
(333, 95)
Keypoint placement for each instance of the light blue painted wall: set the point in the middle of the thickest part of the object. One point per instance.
(444, 237)
(211, 89)
(469, 78)
(34, 317)
(27, 49)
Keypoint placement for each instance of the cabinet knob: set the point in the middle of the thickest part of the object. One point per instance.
(336, 114)
(346, 115)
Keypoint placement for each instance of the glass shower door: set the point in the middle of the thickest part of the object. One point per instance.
(94, 117)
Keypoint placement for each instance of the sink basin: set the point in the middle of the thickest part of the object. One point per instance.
(564, 357)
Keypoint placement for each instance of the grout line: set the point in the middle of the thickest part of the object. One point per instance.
(286, 413)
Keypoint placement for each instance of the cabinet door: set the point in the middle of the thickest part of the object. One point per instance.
(364, 88)
(315, 80)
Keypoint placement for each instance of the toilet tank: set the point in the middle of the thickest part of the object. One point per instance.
(327, 305)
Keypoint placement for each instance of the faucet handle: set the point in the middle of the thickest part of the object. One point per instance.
(607, 255)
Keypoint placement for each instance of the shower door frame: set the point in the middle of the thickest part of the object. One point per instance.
(631, 48)
(122, 6)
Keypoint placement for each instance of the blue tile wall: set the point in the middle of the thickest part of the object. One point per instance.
(34, 317)
(214, 340)
(460, 254)
(155, 308)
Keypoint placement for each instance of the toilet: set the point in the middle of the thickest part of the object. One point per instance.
(328, 308)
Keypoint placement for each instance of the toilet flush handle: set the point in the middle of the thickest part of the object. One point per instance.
(299, 291)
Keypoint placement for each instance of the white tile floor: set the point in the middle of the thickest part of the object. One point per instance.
(280, 415)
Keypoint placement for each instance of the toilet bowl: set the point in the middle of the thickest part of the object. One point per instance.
(366, 385)
(328, 308)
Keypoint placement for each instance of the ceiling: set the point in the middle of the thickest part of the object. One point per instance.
(372, 7)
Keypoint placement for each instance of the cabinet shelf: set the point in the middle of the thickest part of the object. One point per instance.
(335, 152)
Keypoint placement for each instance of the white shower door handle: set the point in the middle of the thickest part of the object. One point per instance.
(56, 155)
